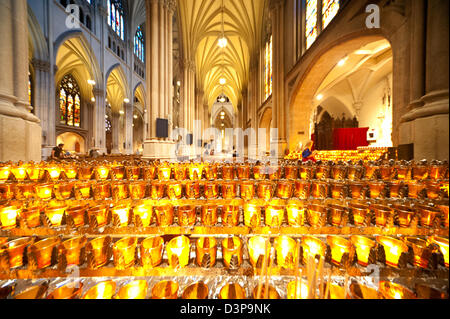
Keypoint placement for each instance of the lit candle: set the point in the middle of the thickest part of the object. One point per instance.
(274, 215)
(102, 173)
(122, 212)
(44, 191)
(20, 173)
(4, 173)
(134, 290)
(390, 290)
(363, 247)
(393, 249)
(8, 216)
(297, 290)
(312, 247)
(257, 246)
(145, 214)
(124, 252)
(252, 215)
(339, 246)
(55, 215)
(443, 247)
(296, 213)
(178, 250)
(103, 290)
(54, 173)
(286, 251)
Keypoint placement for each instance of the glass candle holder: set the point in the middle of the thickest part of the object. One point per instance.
(360, 214)
(286, 252)
(15, 249)
(8, 216)
(229, 190)
(443, 247)
(384, 215)
(101, 191)
(82, 190)
(119, 190)
(422, 252)
(54, 173)
(99, 214)
(157, 190)
(4, 173)
(339, 172)
(164, 215)
(44, 191)
(433, 189)
(71, 250)
(415, 188)
(71, 171)
(164, 173)
(274, 215)
(336, 292)
(124, 253)
(247, 189)
(243, 171)
(206, 252)
(296, 213)
(180, 172)
(338, 190)
(25, 191)
(403, 172)
(121, 215)
(386, 172)
(211, 172)
(427, 292)
(285, 189)
(393, 249)
(437, 172)
(101, 173)
(370, 171)
(34, 292)
(363, 246)
(149, 172)
(274, 172)
(117, 172)
(395, 189)
(404, 215)
(228, 172)
(55, 215)
(252, 214)
(258, 247)
(319, 189)
(317, 215)
(178, 250)
(297, 289)
(196, 291)
(302, 189)
(420, 172)
(265, 190)
(133, 173)
(99, 249)
(103, 290)
(312, 247)
(376, 189)
(232, 291)
(232, 253)
(360, 291)
(230, 215)
(137, 190)
(390, 290)
(322, 172)
(211, 190)
(307, 173)
(187, 215)
(338, 215)
(192, 190)
(444, 214)
(259, 172)
(290, 172)
(339, 246)
(85, 173)
(69, 291)
(174, 190)
(77, 215)
(428, 215)
(209, 215)
(31, 216)
(7, 191)
(354, 172)
(136, 289)
(19, 172)
(265, 292)
(63, 191)
(165, 290)
(151, 252)
(143, 215)
(43, 251)
(195, 172)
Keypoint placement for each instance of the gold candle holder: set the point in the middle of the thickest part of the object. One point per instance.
(164, 215)
(151, 250)
(443, 247)
(403, 172)
(44, 191)
(137, 190)
(338, 215)
(206, 252)
(117, 172)
(101, 191)
(143, 215)
(211, 172)
(211, 190)
(133, 173)
(232, 291)
(386, 172)
(266, 292)
(319, 189)
(72, 250)
(370, 171)
(286, 250)
(43, 251)
(422, 252)
(157, 190)
(136, 289)
(8, 217)
(34, 292)
(415, 188)
(393, 249)
(174, 190)
(99, 251)
(230, 215)
(291, 172)
(71, 171)
(19, 172)
(164, 173)
(339, 172)
(285, 189)
(247, 189)
(187, 215)
(274, 214)
(121, 215)
(444, 214)
(265, 190)
(428, 216)
(354, 172)
(307, 172)
(360, 291)
(85, 173)
(404, 214)
(427, 292)
(7, 191)
(209, 215)
(274, 172)
(195, 172)
(165, 290)
(232, 254)
(437, 172)
(228, 172)
(192, 190)
(390, 290)
(376, 189)
(179, 172)
(119, 190)
(360, 214)
(312, 247)
(297, 289)
(322, 172)
(338, 190)
(317, 215)
(340, 246)
(124, 253)
(54, 173)
(4, 173)
(149, 172)
(178, 252)
(384, 215)
(82, 190)
(433, 189)
(395, 189)
(243, 171)
(420, 172)
(229, 190)
(31, 217)
(296, 213)
(55, 215)
(69, 291)
(63, 191)
(363, 247)
(302, 189)
(77, 215)
(103, 290)
(98, 215)
(258, 247)
(101, 173)
(25, 191)
(252, 214)
(15, 249)
(196, 291)
(259, 172)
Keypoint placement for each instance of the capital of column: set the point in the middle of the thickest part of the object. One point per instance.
(274, 4)
(41, 65)
(98, 92)
(172, 6)
(103, 11)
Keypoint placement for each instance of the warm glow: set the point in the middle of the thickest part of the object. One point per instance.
(222, 81)
(319, 97)
(342, 61)
(223, 42)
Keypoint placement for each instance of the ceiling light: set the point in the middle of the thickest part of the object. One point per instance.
(319, 97)
(121, 112)
(222, 113)
(93, 99)
(223, 124)
(135, 116)
(222, 81)
(179, 83)
(222, 100)
(91, 82)
(342, 62)
(223, 42)
(222, 117)
(126, 100)
(106, 116)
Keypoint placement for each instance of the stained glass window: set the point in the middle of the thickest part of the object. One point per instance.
(311, 22)
(115, 17)
(30, 89)
(268, 68)
(69, 102)
(329, 10)
(139, 44)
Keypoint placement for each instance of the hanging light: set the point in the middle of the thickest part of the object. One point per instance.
(135, 116)
(222, 81)
(93, 99)
(126, 100)
(319, 97)
(121, 112)
(91, 82)
(223, 42)
(222, 113)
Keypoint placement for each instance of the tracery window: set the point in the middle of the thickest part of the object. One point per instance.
(268, 69)
(115, 17)
(311, 22)
(69, 102)
(139, 48)
(324, 9)
(329, 10)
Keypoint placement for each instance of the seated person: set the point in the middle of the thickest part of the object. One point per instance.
(58, 152)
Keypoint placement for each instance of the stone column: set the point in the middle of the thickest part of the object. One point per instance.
(42, 98)
(115, 125)
(99, 120)
(128, 119)
(20, 131)
(253, 104)
(171, 10)
(188, 96)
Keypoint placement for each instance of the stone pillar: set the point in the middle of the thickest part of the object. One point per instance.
(115, 125)
(99, 120)
(42, 99)
(128, 121)
(20, 131)
(188, 95)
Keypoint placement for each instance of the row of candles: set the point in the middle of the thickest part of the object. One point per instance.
(169, 289)
(368, 154)
(229, 213)
(246, 189)
(288, 252)
(213, 171)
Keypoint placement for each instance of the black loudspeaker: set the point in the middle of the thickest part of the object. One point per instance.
(162, 128)
(406, 152)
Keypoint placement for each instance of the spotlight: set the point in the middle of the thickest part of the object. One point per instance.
(223, 42)
(222, 81)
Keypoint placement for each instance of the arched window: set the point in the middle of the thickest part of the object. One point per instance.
(268, 74)
(316, 11)
(69, 102)
(115, 17)
(329, 10)
(139, 49)
(311, 22)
